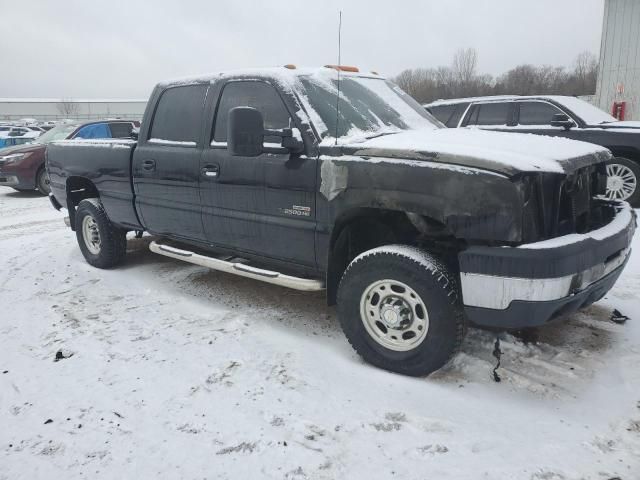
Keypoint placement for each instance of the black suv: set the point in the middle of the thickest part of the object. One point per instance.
(556, 116)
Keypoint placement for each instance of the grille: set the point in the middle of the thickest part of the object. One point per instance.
(576, 200)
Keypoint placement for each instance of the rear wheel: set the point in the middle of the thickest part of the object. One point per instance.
(399, 308)
(42, 182)
(623, 176)
(102, 244)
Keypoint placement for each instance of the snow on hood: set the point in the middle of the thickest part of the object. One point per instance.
(500, 151)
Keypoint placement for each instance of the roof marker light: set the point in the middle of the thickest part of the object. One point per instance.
(343, 68)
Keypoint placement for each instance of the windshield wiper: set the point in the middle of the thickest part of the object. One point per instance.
(382, 134)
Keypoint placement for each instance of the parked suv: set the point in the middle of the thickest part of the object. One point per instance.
(413, 229)
(557, 116)
(22, 167)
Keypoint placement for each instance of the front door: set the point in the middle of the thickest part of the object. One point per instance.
(166, 165)
(265, 204)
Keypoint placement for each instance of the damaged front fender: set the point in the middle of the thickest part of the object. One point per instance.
(473, 204)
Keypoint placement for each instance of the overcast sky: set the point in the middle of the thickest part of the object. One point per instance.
(121, 48)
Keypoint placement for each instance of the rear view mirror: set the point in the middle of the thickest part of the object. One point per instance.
(562, 120)
(135, 132)
(245, 136)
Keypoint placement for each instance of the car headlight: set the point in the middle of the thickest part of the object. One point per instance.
(14, 158)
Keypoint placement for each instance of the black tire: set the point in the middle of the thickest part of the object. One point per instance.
(112, 240)
(435, 285)
(634, 198)
(42, 181)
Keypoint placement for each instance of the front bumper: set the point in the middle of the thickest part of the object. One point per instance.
(7, 180)
(528, 286)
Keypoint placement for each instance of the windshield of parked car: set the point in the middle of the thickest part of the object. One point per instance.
(368, 107)
(61, 132)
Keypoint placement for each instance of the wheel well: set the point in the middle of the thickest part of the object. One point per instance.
(626, 152)
(363, 229)
(78, 188)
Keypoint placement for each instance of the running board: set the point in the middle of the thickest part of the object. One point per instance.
(238, 268)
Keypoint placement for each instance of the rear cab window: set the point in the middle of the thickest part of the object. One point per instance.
(178, 116)
(450, 115)
(251, 93)
(490, 114)
(442, 112)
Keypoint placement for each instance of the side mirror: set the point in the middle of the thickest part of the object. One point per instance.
(562, 120)
(245, 132)
(135, 133)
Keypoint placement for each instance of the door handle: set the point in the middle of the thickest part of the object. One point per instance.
(149, 165)
(211, 170)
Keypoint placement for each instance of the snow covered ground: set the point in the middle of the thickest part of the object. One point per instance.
(179, 372)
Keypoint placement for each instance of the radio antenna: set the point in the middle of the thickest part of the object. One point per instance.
(339, 63)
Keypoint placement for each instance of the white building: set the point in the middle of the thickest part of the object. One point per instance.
(619, 74)
(78, 109)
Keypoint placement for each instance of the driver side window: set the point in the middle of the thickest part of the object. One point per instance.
(259, 95)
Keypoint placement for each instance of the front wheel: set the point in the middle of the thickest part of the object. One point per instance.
(623, 176)
(102, 244)
(399, 308)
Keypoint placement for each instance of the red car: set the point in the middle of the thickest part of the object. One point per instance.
(22, 167)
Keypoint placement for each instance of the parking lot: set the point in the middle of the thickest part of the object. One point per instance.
(166, 367)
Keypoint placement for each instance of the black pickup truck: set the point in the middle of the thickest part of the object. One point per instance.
(557, 116)
(333, 179)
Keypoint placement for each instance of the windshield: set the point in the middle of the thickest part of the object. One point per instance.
(61, 132)
(368, 107)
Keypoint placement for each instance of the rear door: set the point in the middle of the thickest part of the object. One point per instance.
(166, 164)
(265, 204)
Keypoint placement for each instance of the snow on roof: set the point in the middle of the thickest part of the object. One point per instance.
(283, 73)
(450, 101)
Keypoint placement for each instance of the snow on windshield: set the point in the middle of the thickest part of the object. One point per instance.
(367, 106)
(587, 112)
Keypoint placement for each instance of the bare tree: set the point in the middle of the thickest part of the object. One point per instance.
(462, 79)
(465, 63)
(586, 73)
(68, 107)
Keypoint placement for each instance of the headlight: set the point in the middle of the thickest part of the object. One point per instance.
(14, 158)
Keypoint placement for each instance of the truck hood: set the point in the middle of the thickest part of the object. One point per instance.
(505, 153)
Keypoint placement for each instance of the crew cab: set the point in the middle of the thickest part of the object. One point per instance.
(332, 179)
(558, 116)
(22, 166)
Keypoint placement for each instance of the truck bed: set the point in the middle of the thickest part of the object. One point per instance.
(107, 163)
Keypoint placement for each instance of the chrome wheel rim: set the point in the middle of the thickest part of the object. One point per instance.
(394, 315)
(91, 234)
(621, 182)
